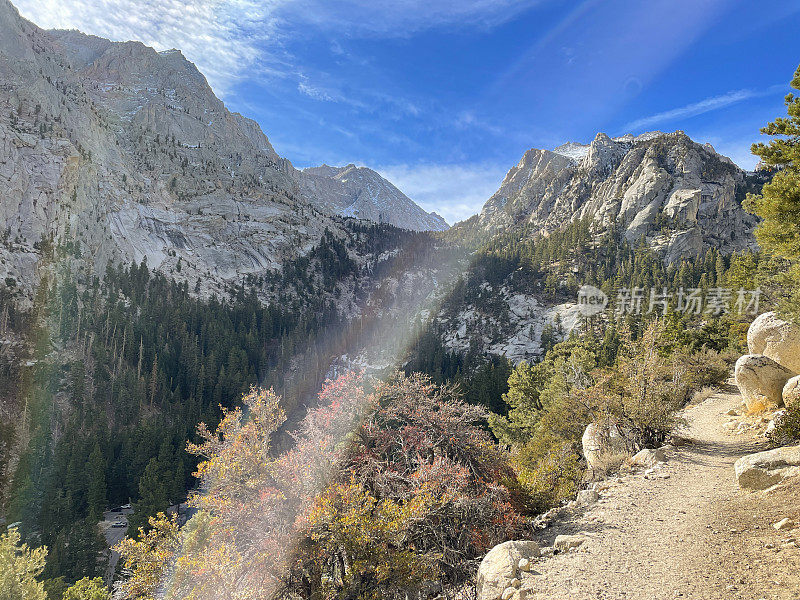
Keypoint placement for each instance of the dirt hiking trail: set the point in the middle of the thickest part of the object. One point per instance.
(682, 530)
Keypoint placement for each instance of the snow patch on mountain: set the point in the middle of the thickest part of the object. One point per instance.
(572, 150)
(362, 193)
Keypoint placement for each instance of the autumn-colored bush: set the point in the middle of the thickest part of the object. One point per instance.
(251, 503)
(422, 455)
(145, 561)
(358, 546)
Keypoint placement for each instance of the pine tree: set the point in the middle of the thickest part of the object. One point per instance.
(779, 202)
(96, 495)
(20, 568)
(141, 351)
(154, 488)
(719, 267)
(154, 380)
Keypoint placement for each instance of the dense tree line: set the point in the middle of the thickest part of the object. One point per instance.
(124, 367)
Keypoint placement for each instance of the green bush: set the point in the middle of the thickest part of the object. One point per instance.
(88, 589)
(550, 469)
(788, 429)
(705, 368)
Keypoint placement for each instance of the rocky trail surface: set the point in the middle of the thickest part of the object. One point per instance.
(683, 529)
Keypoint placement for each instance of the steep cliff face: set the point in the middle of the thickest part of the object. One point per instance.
(362, 193)
(125, 153)
(680, 196)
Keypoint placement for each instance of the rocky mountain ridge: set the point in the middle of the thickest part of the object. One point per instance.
(680, 196)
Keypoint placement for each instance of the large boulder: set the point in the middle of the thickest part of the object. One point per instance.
(500, 567)
(602, 440)
(760, 380)
(762, 470)
(776, 339)
(791, 392)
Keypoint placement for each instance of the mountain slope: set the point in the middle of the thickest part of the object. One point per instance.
(124, 153)
(680, 196)
(362, 193)
(127, 152)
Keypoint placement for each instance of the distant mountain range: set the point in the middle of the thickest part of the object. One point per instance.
(124, 153)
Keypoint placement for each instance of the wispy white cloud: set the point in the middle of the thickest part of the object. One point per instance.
(222, 37)
(393, 18)
(304, 86)
(467, 119)
(698, 108)
(455, 191)
(363, 99)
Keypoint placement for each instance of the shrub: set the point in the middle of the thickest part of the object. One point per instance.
(254, 499)
(146, 560)
(788, 428)
(609, 463)
(704, 368)
(549, 468)
(19, 568)
(642, 394)
(381, 494)
(421, 444)
(88, 589)
(702, 395)
(360, 547)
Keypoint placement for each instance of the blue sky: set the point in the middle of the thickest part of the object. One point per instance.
(444, 96)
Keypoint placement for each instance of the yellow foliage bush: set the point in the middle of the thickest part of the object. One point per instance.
(146, 560)
(361, 548)
(549, 469)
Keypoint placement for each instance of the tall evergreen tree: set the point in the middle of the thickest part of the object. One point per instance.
(96, 495)
(779, 202)
(154, 489)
